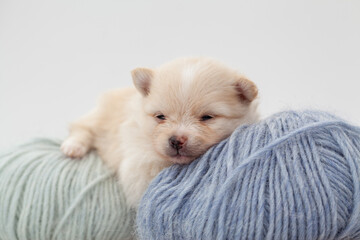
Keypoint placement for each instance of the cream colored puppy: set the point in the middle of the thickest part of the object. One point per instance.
(175, 114)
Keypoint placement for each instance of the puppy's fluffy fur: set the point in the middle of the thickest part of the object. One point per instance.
(173, 115)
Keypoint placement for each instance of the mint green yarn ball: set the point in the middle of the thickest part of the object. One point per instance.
(46, 196)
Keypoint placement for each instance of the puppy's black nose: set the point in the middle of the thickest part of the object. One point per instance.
(177, 142)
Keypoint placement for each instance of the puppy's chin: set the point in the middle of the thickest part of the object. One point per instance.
(175, 158)
(184, 155)
(180, 159)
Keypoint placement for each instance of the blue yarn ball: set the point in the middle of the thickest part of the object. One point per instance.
(45, 195)
(294, 175)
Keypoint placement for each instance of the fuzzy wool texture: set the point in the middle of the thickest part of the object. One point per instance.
(294, 175)
(46, 196)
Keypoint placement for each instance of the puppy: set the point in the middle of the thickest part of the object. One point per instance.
(173, 115)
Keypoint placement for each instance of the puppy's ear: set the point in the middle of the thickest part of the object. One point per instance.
(142, 79)
(246, 89)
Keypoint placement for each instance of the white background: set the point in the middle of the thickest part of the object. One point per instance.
(57, 56)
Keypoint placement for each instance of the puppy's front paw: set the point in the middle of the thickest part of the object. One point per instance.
(73, 148)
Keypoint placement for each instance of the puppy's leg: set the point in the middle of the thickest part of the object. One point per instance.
(81, 137)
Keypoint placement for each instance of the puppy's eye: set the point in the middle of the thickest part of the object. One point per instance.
(160, 116)
(206, 117)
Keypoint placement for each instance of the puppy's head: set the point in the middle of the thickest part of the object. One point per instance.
(192, 104)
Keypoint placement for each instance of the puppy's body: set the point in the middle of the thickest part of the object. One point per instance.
(174, 115)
